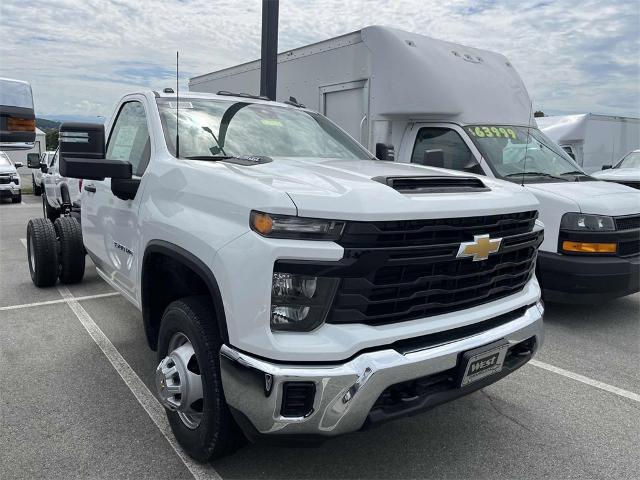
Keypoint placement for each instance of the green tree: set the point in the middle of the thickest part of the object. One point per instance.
(51, 136)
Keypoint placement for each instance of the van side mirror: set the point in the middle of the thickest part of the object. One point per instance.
(433, 158)
(571, 154)
(33, 160)
(82, 153)
(385, 151)
(606, 167)
(18, 164)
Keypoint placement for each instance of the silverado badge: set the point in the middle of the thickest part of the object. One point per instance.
(480, 249)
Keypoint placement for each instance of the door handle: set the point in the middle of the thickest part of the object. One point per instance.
(90, 188)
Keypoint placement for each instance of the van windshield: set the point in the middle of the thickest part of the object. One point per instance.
(524, 154)
(212, 127)
(632, 160)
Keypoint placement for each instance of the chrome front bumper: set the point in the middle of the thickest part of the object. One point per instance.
(346, 392)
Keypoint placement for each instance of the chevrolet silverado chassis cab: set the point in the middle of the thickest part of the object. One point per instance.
(293, 285)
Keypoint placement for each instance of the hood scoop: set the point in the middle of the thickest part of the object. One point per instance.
(432, 184)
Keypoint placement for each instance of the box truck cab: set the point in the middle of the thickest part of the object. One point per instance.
(414, 99)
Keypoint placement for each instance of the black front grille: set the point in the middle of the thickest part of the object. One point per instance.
(395, 275)
(5, 180)
(628, 248)
(627, 223)
(406, 233)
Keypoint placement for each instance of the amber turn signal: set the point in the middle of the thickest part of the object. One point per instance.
(262, 223)
(582, 247)
(21, 125)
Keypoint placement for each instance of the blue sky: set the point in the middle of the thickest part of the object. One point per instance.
(81, 56)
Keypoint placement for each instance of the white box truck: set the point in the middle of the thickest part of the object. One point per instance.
(414, 99)
(594, 141)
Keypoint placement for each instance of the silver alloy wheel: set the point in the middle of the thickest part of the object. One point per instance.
(179, 383)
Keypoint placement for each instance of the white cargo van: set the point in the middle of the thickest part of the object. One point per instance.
(414, 99)
(594, 141)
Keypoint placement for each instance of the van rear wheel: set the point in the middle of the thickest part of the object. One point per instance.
(188, 380)
(42, 252)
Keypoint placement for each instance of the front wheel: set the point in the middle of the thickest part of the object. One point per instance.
(17, 198)
(188, 380)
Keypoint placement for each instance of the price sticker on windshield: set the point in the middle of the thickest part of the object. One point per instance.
(271, 122)
(492, 131)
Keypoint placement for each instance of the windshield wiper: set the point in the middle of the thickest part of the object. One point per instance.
(211, 158)
(536, 174)
(575, 172)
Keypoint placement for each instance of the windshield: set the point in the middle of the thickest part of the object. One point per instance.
(521, 153)
(630, 161)
(227, 128)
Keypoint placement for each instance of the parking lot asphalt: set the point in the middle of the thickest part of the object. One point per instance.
(76, 383)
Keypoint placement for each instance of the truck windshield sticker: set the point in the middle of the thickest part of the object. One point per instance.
(272, 122)
(492, 131)
(182, 105)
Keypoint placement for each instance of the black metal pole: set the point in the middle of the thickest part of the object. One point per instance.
(269, 57)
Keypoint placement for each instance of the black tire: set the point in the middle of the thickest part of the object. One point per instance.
(42, 252)
(37, 191)
(17, 198)
(217, 434)
(47, 210)
(69, 236)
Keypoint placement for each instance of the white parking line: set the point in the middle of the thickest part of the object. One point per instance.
(132, 381)
(586, 380)
(137, 386)
(60, 300)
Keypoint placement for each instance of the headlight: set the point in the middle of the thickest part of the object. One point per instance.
(288, 226)
(300, 302)
(587, 223)
(15, 179)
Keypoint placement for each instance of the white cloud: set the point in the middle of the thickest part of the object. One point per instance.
(82, 55)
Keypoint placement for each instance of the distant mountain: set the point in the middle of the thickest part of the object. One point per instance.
(44, 124)
(77, 118)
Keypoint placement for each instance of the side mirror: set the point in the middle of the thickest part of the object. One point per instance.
(606, 167)
(18, 164)
(385, 151)
(572, 155)
(82, 153)
(33, 160)
(433, 158)
(44, 168)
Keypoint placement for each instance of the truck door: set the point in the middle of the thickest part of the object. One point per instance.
(347, 105)
(51, 181)
(457, 152)
(112, 229)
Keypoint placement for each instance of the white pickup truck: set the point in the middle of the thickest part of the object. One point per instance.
(418, 100)
(294, 286)
(60, 195)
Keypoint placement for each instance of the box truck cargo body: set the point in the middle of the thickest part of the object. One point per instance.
(593, 140)
(413, 99)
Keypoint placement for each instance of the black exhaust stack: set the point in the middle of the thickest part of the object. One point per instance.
(269, 56)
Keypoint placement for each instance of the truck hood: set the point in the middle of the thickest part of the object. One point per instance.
(602, 198)
(618, 174)
(345, 189)
(7, 170)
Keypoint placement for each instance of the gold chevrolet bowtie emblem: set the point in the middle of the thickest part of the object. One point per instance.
(480, 249)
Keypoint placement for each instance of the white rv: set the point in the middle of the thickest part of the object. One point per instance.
(594, 141)
(414, 99)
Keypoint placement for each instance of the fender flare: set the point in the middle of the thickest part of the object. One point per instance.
(196, 265)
